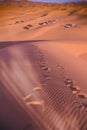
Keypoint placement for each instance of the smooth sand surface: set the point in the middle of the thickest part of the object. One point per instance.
(43, 65)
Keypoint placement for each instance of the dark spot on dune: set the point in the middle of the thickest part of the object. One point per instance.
(16, 22)
(26, 27)
(29, 25)
(22, 21)
(44, 15)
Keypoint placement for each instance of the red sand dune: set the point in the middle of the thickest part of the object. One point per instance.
(43, 69)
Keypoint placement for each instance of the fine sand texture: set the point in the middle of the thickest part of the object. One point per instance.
(43, 66)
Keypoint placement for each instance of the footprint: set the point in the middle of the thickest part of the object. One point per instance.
(43, 23)
(62, 74)
(46, 68)
(28, 26)
(82, 95)
(74, 88)
(69, 81)
(75, 92)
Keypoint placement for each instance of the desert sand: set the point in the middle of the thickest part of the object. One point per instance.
(43, 66)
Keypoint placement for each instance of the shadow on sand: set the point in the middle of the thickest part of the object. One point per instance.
(12, 115)
(11, 43)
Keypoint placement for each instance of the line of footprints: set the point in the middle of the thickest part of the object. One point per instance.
(68, 82)
(44, 65)
(71, 83)
(72, 86)
(30, 26)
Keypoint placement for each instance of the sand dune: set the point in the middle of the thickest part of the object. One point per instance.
(43, 66)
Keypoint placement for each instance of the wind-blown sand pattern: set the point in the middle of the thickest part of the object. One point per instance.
(43, 68)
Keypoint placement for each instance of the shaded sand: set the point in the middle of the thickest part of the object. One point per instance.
(42, 67)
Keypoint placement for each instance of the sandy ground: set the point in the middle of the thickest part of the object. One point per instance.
(43, 65)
